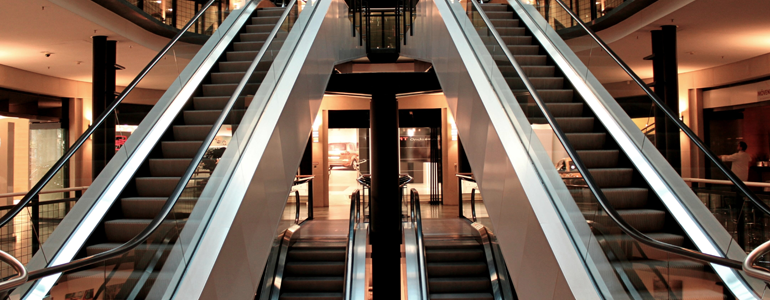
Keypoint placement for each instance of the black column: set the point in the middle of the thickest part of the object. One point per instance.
(385, 219)
(102, 94)
(666, 77)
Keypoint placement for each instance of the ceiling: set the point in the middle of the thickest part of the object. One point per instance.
(32, 28)
(710, 33)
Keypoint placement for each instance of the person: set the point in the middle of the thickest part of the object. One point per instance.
(740, 161)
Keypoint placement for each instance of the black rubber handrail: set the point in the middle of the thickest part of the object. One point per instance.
(99, 120)
(416, 216)
(590, 182)
(173, 198)
(670, 114)
(355, 207)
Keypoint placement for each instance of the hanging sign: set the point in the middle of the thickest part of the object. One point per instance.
(763, 94)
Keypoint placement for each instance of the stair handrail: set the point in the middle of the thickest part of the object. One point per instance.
(35, 190)
(670, 114)
(416, 217)
(355, 206)
(749, 265)
(590, 182)
(177, 192)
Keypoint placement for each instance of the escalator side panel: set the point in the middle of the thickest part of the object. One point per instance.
(521, 203)
(77, 225)
(235, 241)
(708, 235)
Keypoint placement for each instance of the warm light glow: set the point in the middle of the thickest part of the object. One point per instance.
(316, 125)
(410, 132)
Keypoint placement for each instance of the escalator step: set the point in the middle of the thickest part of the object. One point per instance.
(549, 83)
(271, 20)
(599, 158)
(524, 60)
(459, 285)
(228, 89)
(191, 132)
(180, 149)
(558, 110)
(217, 102)
(316, 255)
(207, 117)
(270, 13)
(149, 207)
(236, 77)
(457, 269)
(311, 296)
(548, 96)
(462, 296)
(612, 177)
(570, 125)
(314, 284)
(122, 230)
(254, 46)
(625, 198)
(315, 268)
(155, 186)
(530, 71)
(447, 255)
(644, 220)
(586, 140)
(494, 7)
(499, 14)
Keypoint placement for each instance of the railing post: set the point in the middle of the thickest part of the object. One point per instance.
(35, 220)
(473, 204)
(310, 199)
(460, 195)
(297, 204)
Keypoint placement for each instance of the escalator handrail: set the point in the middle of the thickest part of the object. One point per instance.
(355, 200)
(17, 280)
(590, 182)
(670, 114)
(416, 216)
(35, 190)
(174, 197)
(749, 264)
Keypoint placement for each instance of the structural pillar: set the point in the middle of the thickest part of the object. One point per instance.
(102, 94)
(666, 76)
(385, 213)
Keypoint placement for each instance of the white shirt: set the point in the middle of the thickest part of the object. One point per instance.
(740, 166)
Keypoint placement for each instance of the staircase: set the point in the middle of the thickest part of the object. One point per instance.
(154, 181)
(315, 270)
(457, 269)
(620, 182)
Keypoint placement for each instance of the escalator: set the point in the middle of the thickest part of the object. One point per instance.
(135, 232)
(456, 258)
(639, 231)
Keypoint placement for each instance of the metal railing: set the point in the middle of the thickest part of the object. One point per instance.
(355, 216)
(590, 182)
(416, 217)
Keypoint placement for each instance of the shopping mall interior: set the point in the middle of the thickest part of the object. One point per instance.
(384, 149)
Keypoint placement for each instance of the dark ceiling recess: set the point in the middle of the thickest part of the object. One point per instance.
(30, 106)
(395, 83)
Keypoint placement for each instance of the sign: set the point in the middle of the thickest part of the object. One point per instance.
(763, 94)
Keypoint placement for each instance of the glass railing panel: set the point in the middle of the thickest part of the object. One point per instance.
(177, 13)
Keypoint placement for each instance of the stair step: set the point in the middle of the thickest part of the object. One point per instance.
(457, 269)
(315, 284)
(612, 177)
(587, 140)
(462, 296)
(228, 89)
(149, 207)
(270, 12)
(523, 60)
(559, 110)
(217, 102)
(549, 83)
(169, 167)
(122, 230)
(191, 132)
(315, 268)
(599, 158)
(180, 149)
(272, 20)
(570, 125)
(459, 285)
(260, 28)
(316, 254)
(548, 96)
(208, 117)
(155, 186)
(498, 14)
(447, 255)
(236, 77)
(311, 296)
(644, 220)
